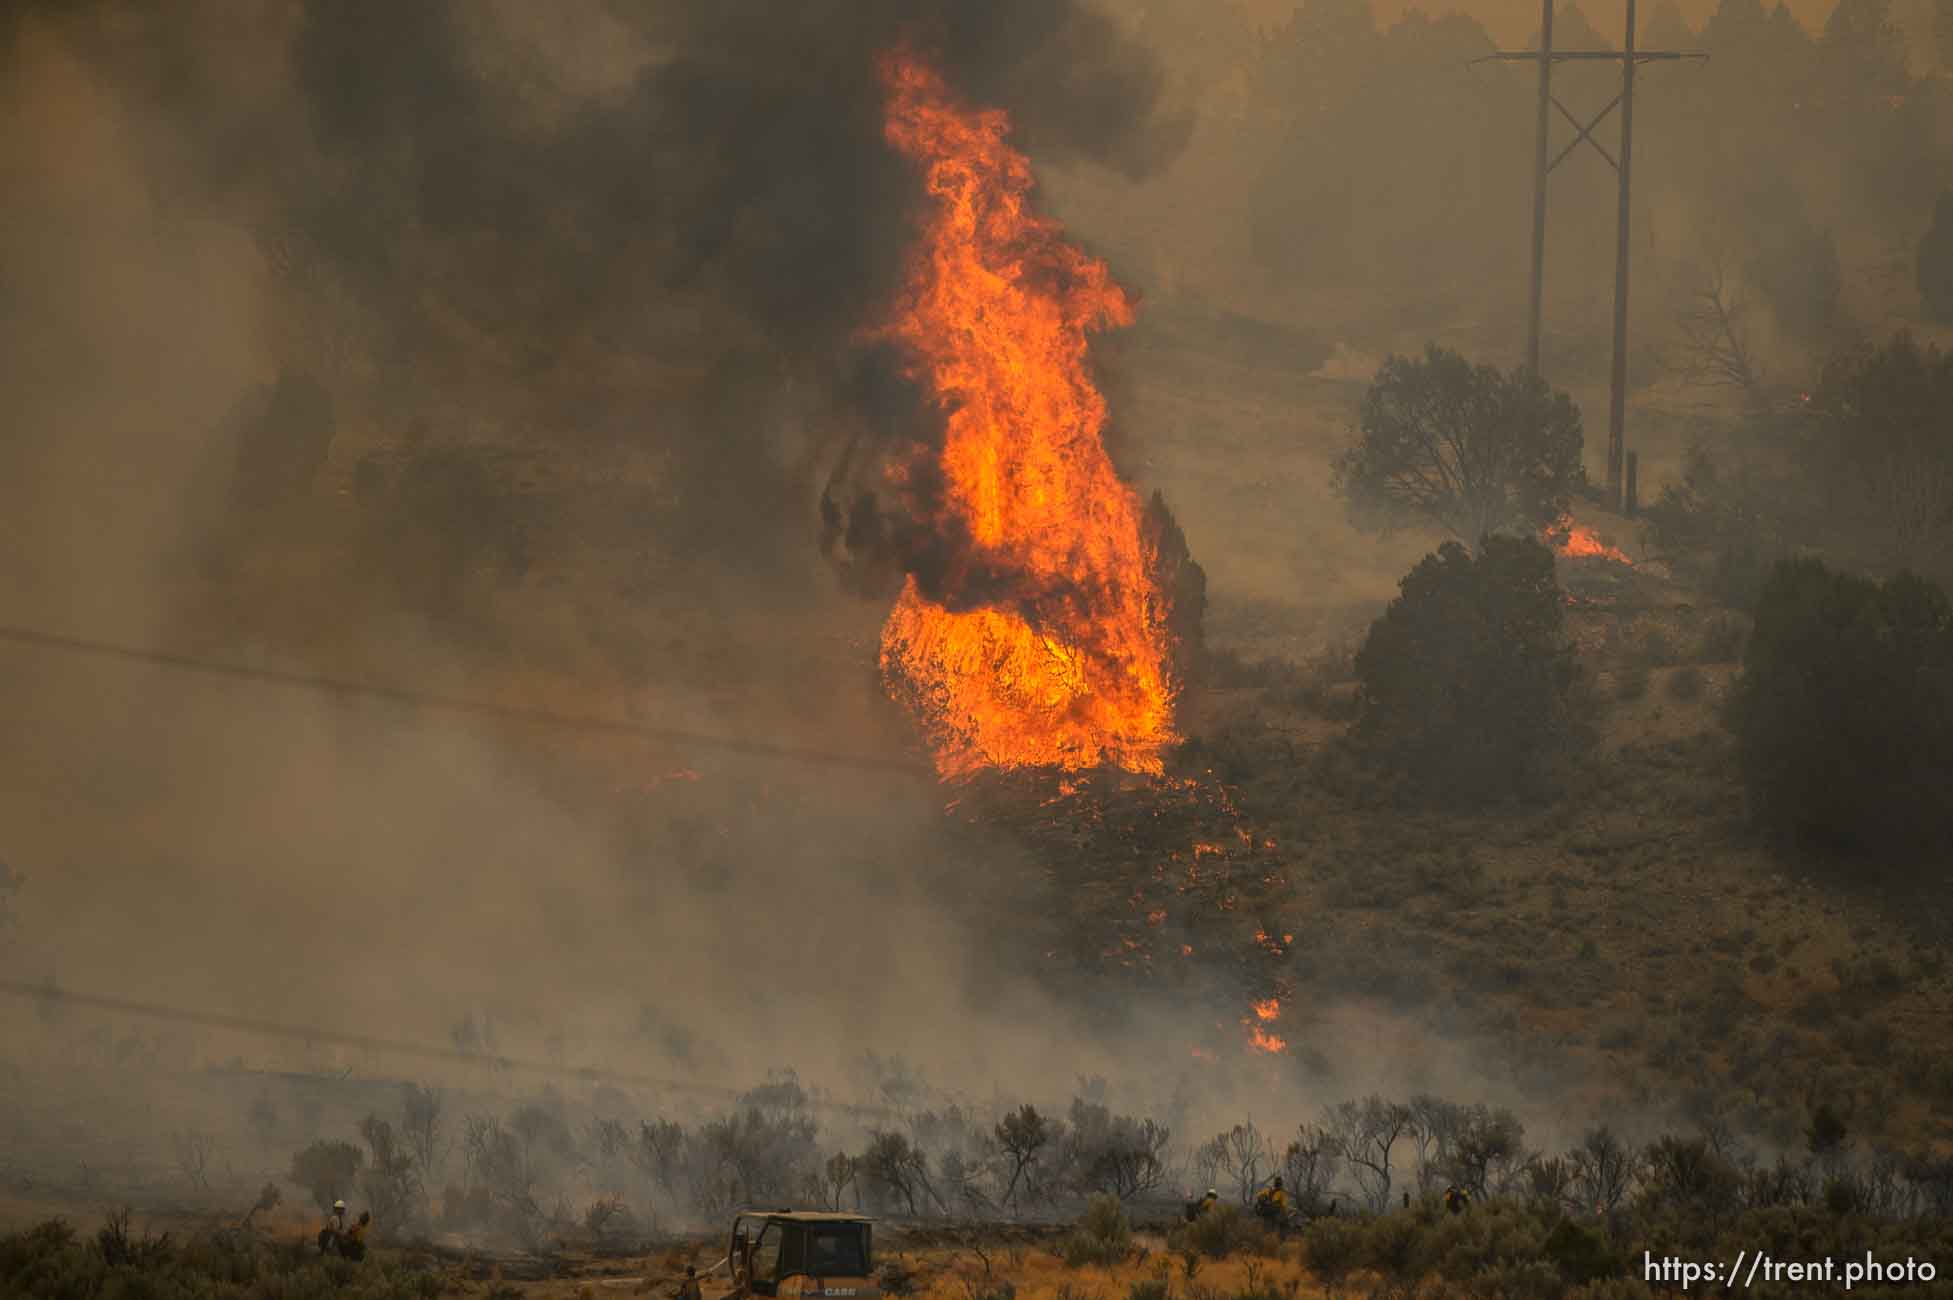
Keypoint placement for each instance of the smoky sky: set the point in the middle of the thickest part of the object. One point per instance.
(729, 206)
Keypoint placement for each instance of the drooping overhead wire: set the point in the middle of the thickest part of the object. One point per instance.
(53, 994)
(417, 699)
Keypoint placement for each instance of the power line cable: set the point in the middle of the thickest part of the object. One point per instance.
(49, 992)
(409, 698)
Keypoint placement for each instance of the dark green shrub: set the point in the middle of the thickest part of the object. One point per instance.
(1690, 1176)
(1841, 1196)
(327, 1170)
(1580, 1254)
(1467, 447)
(1103, 1236)
(48, 1260)
(1725, 523)
(1844, 711)
(1394, 1246)
(1215, 1234)
(1875, 455)
(1333, 1249)
(30, 1260)
(1465, 678)
(1826, 1132)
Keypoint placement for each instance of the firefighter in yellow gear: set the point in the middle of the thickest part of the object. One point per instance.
(352, 1243)
(1272, 1207)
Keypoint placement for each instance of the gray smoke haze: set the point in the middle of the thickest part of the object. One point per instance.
(507, 210)
(641, 239)
(460, 217)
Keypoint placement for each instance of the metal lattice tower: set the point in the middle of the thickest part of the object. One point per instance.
(1629, 58)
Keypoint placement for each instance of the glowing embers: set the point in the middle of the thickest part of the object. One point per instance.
(1267, 1012)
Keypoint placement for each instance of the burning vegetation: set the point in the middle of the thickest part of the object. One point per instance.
(1577, 541)
(1164, 884)
(1042, 640)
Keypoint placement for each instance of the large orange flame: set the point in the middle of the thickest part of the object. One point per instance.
(1060, 659)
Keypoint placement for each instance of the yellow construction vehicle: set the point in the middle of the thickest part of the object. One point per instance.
(801, 1255)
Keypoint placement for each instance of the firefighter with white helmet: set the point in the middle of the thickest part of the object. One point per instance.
(334, 1231)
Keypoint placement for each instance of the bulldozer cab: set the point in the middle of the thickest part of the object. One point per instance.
(802, 1254)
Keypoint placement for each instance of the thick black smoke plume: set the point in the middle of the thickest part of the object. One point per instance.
(505, 191)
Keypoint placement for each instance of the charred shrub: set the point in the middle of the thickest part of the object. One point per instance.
(122, 1250)
(1689, 1177)
(327, 1170)
(1844, 712)
(1123, 1155)
(1181, 580)
(390, 1184)
(1724, 524)
(1466, 677)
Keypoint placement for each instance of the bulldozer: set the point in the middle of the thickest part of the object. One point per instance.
(801, 1255)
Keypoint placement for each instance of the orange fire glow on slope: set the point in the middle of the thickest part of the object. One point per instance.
(1259, 1038)
(1055, 653)
(1577, 540)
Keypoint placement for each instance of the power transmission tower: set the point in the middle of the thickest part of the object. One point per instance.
(1629, 58)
